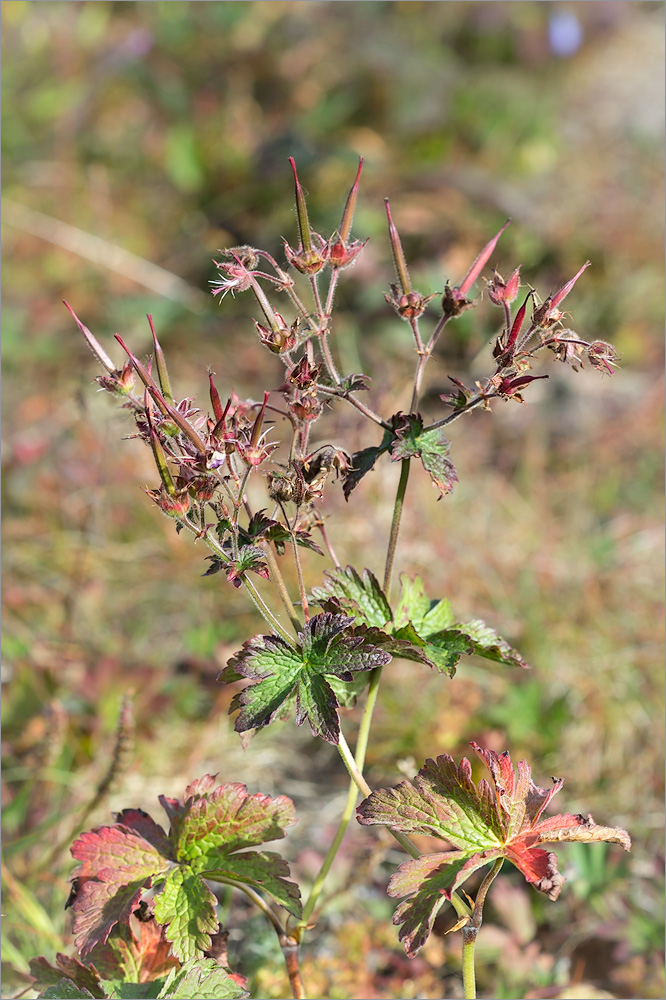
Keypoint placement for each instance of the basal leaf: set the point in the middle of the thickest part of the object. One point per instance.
(65, 989)
(483, 823)
(262, 869)
(225, 819)
(431, 446)
(121, 849)
(186, 906)
(138, 952)
(100, 905)
(359, 596)
(68, 968)
(204, 979)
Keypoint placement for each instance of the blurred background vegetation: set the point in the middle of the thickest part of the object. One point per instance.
(139, 138)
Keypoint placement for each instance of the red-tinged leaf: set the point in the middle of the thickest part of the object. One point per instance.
(143, 824)
(227, 819)
(46, 974)
(484, 822)
(136, 953)
(186, 906)
(429, 882)
(121, 850)
(99, 906)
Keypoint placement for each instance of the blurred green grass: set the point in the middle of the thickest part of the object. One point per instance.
(163, 129)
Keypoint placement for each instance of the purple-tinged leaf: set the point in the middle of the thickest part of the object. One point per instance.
(431, 446)
(359, 596)
(363, 461)
(85, 976)
(100, 905)
(280, 671)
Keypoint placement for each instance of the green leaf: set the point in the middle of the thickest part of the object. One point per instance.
(186, 906)
(263, 870)
(203, 979)
(425, 615)
(278, 671)
(120, 990)
(490, 644)
(431, 446)
(361, 597)
(444, 649)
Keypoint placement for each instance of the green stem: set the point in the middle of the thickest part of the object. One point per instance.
(395, 524)
(469, 978)
(266, 612)
(278, 580)
(318, 884)
(471, 930)
(364, 787)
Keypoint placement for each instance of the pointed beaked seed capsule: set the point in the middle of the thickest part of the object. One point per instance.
(350, 206)
(121, 384)
(215, 399)
(548, 313)
(518, 322)
(565, 289)
(301, 211)
(480, 262)
(398, 253)
(162, 373)
(92, 342)
(343, 254)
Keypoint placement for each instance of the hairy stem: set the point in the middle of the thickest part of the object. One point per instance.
(278, 580)
(471, 930)
(361, 407)
(395, 524)
(318, 884)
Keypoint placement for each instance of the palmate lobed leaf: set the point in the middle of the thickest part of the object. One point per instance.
(327, 646)
(484, 822)
(136, 952)
(203, 979)
(186, 907)
(431, 446)
(208, 826)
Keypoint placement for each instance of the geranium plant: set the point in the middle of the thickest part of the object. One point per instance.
(145, 912)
